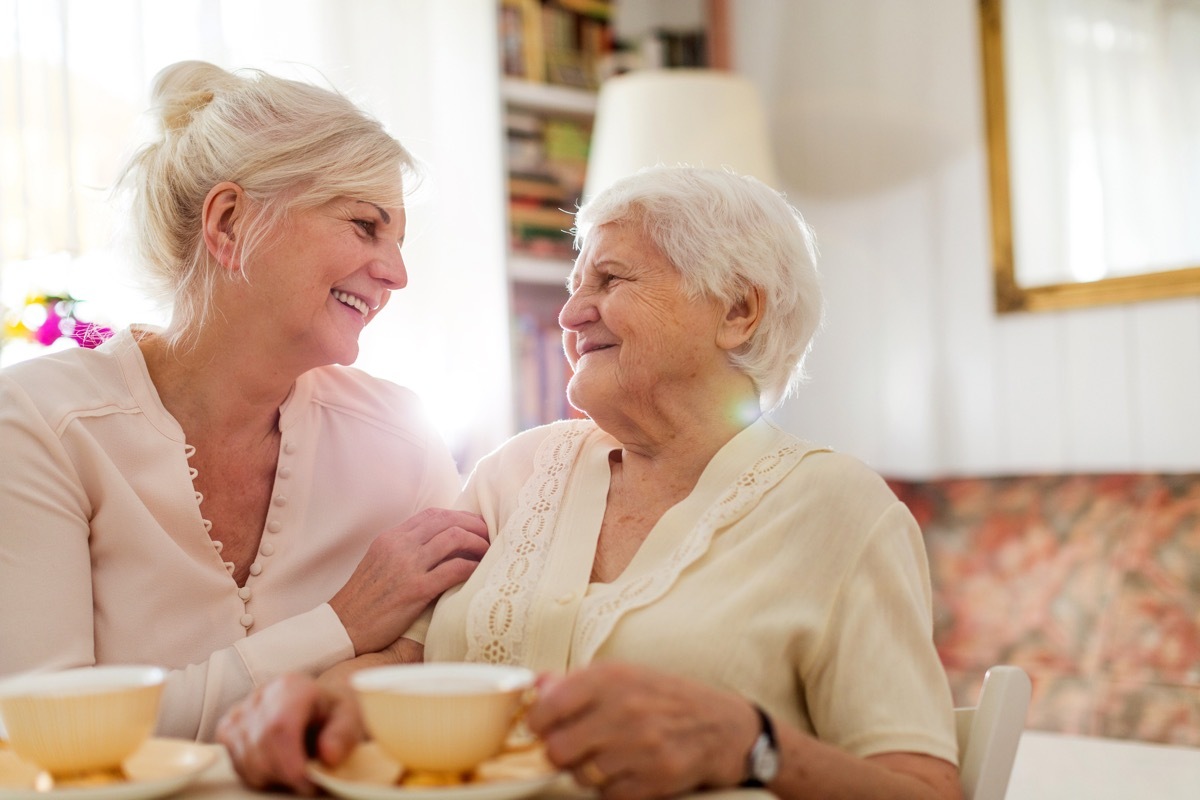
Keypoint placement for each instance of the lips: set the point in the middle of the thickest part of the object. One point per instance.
(357, 303)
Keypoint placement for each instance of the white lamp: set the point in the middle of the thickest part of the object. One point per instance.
(699, 117)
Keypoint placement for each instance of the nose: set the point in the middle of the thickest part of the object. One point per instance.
(578, 311)
(390, 269)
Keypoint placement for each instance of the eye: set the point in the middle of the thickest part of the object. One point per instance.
(367, 226)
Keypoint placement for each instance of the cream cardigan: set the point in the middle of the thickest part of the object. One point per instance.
(791, 575)
(104, 556)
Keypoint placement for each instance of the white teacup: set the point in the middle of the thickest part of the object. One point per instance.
(441, 717)
(81, 721)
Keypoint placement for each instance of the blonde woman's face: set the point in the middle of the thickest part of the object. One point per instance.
(327, 275)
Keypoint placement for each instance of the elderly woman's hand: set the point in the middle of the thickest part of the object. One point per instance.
(266, 734)
(404, 570)
(635, 733)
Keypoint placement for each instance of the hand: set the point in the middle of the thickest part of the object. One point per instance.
(404, 570)
(635, 733)
(266, 733)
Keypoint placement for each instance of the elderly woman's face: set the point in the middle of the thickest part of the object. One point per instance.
(630, 332)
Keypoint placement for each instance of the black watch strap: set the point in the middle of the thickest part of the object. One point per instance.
(762, 765)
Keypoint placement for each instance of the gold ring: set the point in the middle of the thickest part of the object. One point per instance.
(592, 775)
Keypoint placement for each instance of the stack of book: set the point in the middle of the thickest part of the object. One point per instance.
(547, 159)
(556, 41)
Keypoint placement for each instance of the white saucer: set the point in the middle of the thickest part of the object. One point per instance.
(158, 768)
(369, 774)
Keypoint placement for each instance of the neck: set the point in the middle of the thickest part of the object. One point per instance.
(679, 438)
(216, 386)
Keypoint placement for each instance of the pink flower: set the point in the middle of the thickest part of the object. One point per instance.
(89, 334)
(50, 330)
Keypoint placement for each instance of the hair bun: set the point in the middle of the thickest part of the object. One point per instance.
(178, 113)
(183, 88)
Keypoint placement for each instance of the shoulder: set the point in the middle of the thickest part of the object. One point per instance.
(829, 471)
(358, 397)
(843, 475)
(63, 384)
(522, 453)
(836, 496)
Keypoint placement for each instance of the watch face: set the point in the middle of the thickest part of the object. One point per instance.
(767, 766)
(764, 760)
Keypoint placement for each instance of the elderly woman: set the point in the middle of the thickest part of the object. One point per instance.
(217, 497)
(727, 604)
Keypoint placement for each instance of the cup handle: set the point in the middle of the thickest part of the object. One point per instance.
(519, 736)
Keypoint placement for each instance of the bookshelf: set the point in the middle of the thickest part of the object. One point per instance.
(552, 57)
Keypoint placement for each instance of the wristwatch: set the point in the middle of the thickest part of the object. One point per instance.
(762, 765)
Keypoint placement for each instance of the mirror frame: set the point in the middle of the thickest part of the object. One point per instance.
(1011, 296)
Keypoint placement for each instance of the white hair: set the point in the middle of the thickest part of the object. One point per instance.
(725, 233)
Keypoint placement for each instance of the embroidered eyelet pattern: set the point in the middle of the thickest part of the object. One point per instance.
(498, 612)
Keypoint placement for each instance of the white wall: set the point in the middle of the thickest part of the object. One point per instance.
(877, 120)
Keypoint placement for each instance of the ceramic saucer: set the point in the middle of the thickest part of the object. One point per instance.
(159, 767)
(369, 774)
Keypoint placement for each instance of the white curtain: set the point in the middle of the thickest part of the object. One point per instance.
(74, 80)
(1104, 125)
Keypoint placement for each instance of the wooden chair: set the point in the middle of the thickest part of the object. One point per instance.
(989, 732)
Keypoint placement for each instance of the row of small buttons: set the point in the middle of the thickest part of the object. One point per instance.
(273, 526)
(266, 549)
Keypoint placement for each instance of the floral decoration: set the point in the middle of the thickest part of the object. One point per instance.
(46, 318)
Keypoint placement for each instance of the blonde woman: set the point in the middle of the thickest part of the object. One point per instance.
(220, 496)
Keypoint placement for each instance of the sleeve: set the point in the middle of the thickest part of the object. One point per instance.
(45, 563)
(875, 683)
(195, 698)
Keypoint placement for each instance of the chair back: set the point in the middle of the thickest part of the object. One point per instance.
(988, 733)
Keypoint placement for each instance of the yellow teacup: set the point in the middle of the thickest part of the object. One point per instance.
(441, 717)
(80, 721)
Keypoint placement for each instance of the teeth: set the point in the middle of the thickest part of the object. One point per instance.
(351, 301)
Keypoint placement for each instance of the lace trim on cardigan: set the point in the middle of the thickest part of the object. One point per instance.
(189, 450)
(499, 612)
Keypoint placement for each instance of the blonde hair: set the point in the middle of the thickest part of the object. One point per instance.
(724, 233)
(289, 145)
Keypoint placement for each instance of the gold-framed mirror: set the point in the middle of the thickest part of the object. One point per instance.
(1086, 208)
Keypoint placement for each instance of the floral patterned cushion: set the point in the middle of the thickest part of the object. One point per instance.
(1091, 583)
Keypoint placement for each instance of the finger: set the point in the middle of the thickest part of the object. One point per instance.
(246, 754)
(589, 774)
(560, 700)
(447, 574)
(632, 786)
(428, 523)
(275, 731)
(454, 543)
(343, 731)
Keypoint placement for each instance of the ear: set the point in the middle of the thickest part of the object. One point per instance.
(742, 319)
(224, 210)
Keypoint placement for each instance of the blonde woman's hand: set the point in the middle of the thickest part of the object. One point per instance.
(405, 569)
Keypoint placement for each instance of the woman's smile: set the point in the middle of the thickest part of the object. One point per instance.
(350, 300)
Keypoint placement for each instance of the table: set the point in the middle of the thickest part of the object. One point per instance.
(1055, 766)
(219, 782)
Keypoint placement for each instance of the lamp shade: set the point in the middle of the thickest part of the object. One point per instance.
(698, 117)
